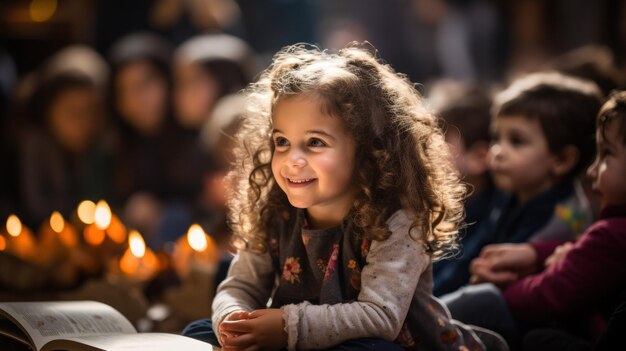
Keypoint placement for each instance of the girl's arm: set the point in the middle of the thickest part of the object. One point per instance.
(247, 287)
(388, 283)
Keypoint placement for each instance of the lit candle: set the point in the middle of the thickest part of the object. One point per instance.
(58, 231)
(195, 250)
(104, 224)
(138, 263)
(20, 240)
(56, 238)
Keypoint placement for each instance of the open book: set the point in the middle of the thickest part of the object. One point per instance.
(82, 326)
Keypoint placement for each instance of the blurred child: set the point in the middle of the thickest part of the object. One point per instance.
(62, 158)
(541, 141)
(145, 159)
(344, 193)
(206, 68)
(466, 112)
(576, 286)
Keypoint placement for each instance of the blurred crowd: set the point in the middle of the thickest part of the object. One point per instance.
(142, 118)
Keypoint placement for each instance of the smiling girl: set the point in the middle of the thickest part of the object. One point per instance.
(344, 195)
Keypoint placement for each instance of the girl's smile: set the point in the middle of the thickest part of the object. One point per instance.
(300, 182)
(313, 159)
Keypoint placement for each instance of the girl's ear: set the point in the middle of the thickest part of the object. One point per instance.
(565, 160)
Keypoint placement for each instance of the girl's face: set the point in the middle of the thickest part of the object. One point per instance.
(314, 159)
(519, 158)
(608, 170)
(142, 96)
(195, 93)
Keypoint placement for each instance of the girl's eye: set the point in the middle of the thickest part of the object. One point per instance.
(280, 142)
(315, 142)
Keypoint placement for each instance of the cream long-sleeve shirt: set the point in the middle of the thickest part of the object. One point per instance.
(389, 282)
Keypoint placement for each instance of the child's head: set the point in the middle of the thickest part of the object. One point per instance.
(68, 104)
(542, 132)
(207, 67)
(608, 170)
(140, 82)
(345, 137)
(465, 111)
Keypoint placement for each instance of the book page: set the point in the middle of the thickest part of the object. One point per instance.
(9, 329)
(129, 342)
(45, 321)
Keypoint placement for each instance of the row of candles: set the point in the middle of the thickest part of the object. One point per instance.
(100, 239)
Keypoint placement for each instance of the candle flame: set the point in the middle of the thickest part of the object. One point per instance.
(3, 243)
(14, 225)
(136, 243)
(102, 215)
(56, 222)
(196, 238)
(86, 211)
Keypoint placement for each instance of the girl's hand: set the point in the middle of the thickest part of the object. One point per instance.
(233, 316)
(263, 330)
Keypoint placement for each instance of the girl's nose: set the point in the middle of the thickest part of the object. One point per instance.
(296, 158)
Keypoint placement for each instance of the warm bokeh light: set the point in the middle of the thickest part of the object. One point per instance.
(86, 211)
(197, 238)
(136, 244)
(42, 10)
(56, 222)
(3, 243)
(116, 230)
(93, 235)
(14, 225)
(102, 215)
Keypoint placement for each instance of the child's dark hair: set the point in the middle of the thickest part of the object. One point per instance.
(564, 106)
(464, 107)
(613, 110)
(401, 157)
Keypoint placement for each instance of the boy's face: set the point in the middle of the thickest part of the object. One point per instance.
(313, 160)
(608, 171)
(519, 158)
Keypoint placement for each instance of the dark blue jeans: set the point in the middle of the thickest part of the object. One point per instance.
(203, 331)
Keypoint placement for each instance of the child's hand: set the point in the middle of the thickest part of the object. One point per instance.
(559, 254)
(233, 316)
(503, 264)
(263, 330)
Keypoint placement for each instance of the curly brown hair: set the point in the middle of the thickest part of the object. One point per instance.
(401, 159)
